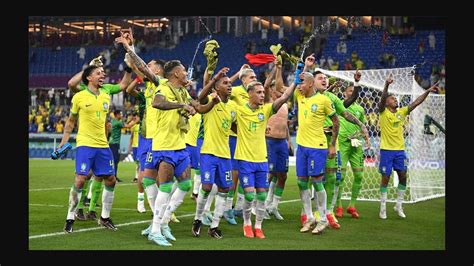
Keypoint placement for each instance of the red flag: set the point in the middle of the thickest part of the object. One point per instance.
(259, 59)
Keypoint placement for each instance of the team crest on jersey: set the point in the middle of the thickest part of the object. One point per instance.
(399, 116)
(314, 107)
(83, 167)
(106, 106)
(245, 180)
(207, 176)
(260, 116)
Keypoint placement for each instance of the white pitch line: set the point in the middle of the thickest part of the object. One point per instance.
(120, 225)
(61, 188)
(63, 206)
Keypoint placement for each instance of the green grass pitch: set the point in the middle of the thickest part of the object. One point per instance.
(49, 183)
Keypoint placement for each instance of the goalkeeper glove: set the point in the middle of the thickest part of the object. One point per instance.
(356, 142)
(61, 152)
(97, 62)
(299, 69)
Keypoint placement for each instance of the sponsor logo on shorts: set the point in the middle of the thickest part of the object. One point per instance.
(83, 167)
(207, 176)
(270, 166)
(245, 180)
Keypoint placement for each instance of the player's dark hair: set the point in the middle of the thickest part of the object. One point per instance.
(87, 72)
(169, 66)
(116, 112)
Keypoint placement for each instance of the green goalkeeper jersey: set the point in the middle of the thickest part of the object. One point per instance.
(338, 105)
(347, 128)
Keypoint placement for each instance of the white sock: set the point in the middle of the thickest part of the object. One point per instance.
(89, 194)
(275, 202)
(240, 201)
(383, 198)
(174, 187)
(260, 205)
(141, 196)
(322, 199)
(254, 204)
(160, 206)
(200, 202)
(74, 198)
(218, 209)
(269, 198)
(228, 203)
(401, 194)
(107, 200)
(196, 183)
(315, 203)
(175, 201)
(151, 193)
(306, 199)
(247, 208)
(334, 197)
(207, 207)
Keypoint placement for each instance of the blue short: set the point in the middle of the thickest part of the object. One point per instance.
(216, 170)
(194, 156)
(100, 160)
(278, 154)
(232, 145)
(135, 153)
(310, 161)
(178, 159)
(396, 160)
(253, 174)
(144, 147)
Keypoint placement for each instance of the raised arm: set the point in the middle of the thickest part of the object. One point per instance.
(236, 75)
(135, 59)
(422, 97)
(335, 85)
(309, 63)
(131, 87)
(385, 93)
(355, 93)
(283, 98)
(127, 78)
(268, 82)
(202, 98)
(74, 82)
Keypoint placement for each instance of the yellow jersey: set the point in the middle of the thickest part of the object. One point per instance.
(135, 131)
(217, 124)
(240, 96)
(168, 136)
(391, 127)
(194, 124)
(92, 111)
(151, 114)
(251, 125)
(311, 114)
